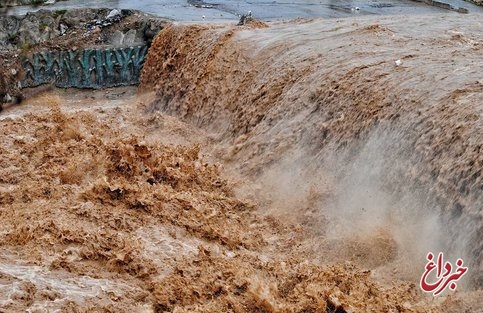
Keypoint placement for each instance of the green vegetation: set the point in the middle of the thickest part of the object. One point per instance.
(58, 13)
(43, 26)
(12, 38)
(25, 47)
(37, 2)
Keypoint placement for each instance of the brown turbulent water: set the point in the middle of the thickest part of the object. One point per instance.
(330, 98)
(289, 168)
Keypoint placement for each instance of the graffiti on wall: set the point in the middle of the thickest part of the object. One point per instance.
(88, 68)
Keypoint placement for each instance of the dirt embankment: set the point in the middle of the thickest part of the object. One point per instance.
(76, 29)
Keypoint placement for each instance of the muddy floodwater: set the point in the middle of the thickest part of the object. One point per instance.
(289, 166)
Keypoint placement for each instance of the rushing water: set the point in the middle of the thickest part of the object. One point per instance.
(402, 139)
(378, 163)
